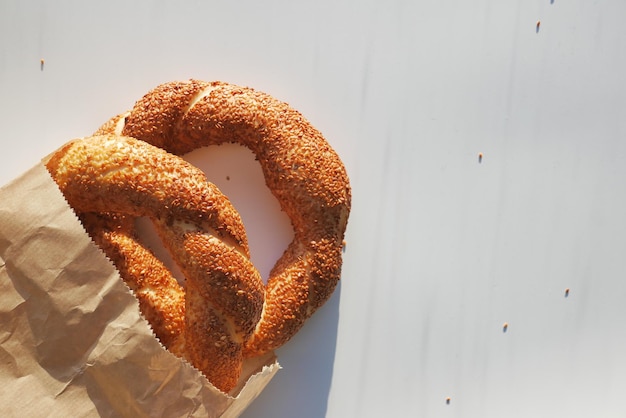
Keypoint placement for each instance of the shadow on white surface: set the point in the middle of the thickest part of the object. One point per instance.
(301, 389)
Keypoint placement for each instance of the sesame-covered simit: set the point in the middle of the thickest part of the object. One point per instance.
(301, 169)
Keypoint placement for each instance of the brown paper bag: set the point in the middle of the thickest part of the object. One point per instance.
(72, 339)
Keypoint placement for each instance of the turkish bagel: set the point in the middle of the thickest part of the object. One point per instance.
(301, 170)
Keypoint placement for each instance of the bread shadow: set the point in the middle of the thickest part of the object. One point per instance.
(302, 388)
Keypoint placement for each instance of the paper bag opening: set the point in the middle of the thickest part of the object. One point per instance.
(72, 339)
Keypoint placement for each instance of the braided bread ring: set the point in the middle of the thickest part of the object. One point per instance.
(224, 293)
(301, 169)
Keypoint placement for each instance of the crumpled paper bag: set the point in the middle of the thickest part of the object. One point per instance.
(72, 339)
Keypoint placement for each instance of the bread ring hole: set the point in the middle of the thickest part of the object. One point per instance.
(149, 237)
(234, 169)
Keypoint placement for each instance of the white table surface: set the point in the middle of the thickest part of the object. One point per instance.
(442, 249)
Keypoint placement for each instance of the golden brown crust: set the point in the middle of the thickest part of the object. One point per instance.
(145, 181)
(124, 175)
(300, 168)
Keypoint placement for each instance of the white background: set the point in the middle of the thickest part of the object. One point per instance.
(442, 249)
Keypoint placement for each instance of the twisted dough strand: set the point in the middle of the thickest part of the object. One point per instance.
(161, 298)
(124, 175)
(224, 293)
(300, 168)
